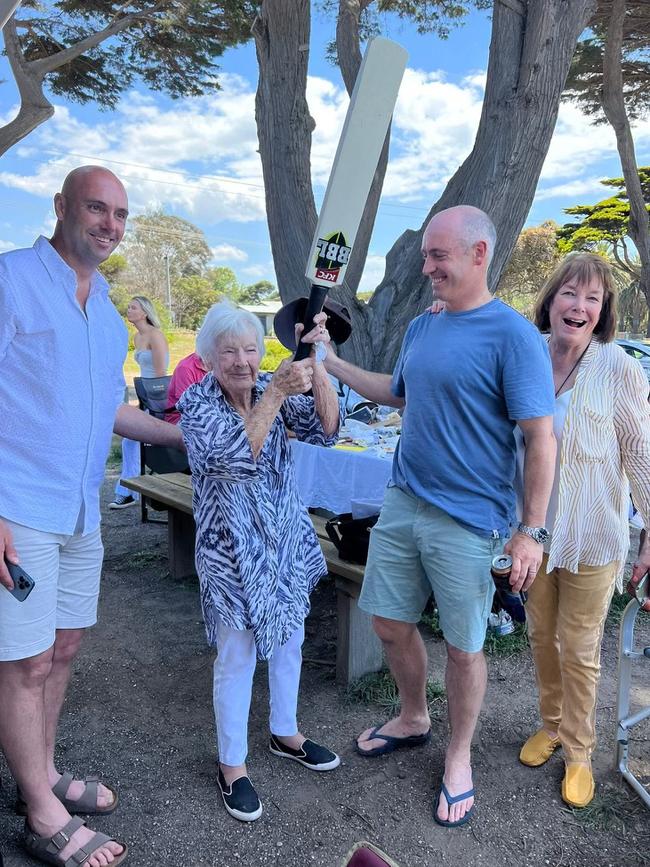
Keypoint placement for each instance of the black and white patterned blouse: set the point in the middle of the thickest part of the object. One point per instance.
(257, 555)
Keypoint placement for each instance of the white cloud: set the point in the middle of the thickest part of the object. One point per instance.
(263, 271)
(228, 253)
(586, 188)
(6, 245)
(163, 154)
(577, 145)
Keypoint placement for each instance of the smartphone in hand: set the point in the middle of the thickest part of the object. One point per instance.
(23, 583)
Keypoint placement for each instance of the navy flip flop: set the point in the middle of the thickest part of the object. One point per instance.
(392, 743)
(453, 799)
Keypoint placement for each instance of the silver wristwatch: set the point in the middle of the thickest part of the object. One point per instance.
(539, 534)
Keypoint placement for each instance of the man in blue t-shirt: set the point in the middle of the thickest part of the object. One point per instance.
(466, 377)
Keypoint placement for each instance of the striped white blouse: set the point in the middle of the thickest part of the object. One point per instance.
(605, 443)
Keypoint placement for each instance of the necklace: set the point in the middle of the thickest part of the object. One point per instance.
(566, 378)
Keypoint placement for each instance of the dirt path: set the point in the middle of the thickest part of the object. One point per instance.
(140, 713)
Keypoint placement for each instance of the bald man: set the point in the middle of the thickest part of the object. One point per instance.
(465, 377)
(62, 348)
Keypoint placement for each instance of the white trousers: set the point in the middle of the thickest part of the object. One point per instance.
(130, 466)
(234, 668)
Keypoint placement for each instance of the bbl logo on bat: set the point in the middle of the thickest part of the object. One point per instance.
(331, 255)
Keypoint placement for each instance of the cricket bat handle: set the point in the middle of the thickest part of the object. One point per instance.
(314, 306)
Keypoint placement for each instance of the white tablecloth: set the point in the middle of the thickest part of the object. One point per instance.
(334, 479)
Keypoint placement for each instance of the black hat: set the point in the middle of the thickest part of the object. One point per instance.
(339, 324)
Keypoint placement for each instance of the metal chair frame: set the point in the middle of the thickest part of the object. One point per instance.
(625, 720)
(152, 397)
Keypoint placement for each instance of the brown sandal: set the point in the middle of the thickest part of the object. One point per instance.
(47, 849)
(86, 804)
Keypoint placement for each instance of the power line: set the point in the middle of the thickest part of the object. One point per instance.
(208, 178)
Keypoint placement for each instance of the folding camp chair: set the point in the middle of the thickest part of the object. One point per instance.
(626, 656)
(152, 397)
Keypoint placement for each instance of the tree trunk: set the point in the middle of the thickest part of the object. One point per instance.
(284, 128)
(35, 108)
(614, 108)
(530, 52)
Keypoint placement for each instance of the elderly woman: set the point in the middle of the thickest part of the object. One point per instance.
(257, 555)
(603, 431)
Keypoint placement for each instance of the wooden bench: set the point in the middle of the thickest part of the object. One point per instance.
(358, 650)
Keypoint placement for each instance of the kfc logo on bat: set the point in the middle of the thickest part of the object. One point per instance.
(331, 255)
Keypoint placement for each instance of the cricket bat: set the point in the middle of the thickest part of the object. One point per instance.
(364, 130)
(7, 9)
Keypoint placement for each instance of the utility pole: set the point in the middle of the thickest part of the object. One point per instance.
(169, 288)
(7, 9)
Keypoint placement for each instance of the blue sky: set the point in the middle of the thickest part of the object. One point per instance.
(197, 158)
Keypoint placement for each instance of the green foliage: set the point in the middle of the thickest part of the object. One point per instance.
(428, 16)
(617, 606)
(606, 222)
(380, 688)
(275, 353)
(507, 645)
(533, 259)
(256, 293)
(585, 80)
(495, 645)
(224, 282)
(192, 297)
(113, 268)
(171, 45)
(156, 237)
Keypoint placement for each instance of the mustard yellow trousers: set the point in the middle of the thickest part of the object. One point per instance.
(566, 614)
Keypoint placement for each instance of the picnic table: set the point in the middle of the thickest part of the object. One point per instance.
(358, 650)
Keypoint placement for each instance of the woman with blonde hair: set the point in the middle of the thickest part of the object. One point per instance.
(152, 356)
(602, 427)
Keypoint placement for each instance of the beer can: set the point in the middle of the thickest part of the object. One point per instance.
(501, 566)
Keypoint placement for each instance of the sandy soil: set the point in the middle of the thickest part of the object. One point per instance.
(139, 713)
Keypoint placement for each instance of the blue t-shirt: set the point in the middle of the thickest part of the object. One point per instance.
(466, 378)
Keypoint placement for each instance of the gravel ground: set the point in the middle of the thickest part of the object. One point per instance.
(139, 713)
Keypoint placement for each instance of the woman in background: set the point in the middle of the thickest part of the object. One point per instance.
(152, 356)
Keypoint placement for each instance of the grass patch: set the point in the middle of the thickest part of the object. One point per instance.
(611, 811)
(495, 645)
(616, 608)
(144, 558)
(379, 688)
(115, 455)
(431, 620)
(507, 645)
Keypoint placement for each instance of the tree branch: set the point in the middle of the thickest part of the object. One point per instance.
(54, 61)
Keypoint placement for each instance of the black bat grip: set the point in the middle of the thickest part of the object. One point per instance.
(314, 306)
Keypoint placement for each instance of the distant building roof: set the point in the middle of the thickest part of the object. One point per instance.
(265, 307)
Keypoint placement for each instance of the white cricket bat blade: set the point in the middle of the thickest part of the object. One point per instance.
(366, 124)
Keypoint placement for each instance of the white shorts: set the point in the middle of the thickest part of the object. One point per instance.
(66, 571)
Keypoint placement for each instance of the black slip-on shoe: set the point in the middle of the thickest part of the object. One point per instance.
(240, 798)
(311, 755)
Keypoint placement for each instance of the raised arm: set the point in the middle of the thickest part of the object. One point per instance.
(291, 377)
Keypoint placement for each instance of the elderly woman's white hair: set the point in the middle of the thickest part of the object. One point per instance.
(226, 319)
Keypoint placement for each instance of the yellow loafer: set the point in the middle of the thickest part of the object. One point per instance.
(538, 749)
(578, 785)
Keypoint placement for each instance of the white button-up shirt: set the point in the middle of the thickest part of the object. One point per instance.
(61, 383)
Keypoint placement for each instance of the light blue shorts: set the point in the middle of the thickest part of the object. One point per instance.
(416, 548)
